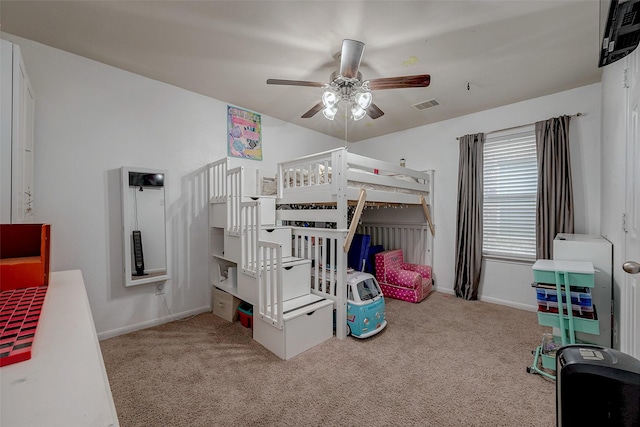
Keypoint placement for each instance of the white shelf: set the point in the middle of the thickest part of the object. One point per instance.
(222, 257)
(233, 290)
(220, 275)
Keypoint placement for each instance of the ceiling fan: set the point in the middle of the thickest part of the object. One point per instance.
(347, 86)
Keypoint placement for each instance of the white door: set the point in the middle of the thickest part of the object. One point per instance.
(22, 142)
(630, 292)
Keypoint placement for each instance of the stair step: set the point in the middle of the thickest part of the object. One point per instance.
(300, 306)
(291, 261)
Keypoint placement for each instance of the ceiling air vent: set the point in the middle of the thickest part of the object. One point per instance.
(427, 104)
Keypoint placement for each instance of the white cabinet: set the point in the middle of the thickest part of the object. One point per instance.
(17, 109)
(597, 250)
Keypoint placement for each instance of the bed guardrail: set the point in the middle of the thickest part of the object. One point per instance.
(270, 295)
(217, 181)
(234, 178)
(329, 261)
(414, 239)
(328, 268)
(250, 223)
(333, 171)
(310, 173)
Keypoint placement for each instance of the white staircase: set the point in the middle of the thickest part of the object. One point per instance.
(290, 321)
(287, 317)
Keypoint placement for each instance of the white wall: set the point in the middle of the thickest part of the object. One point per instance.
(435, 147)
(91, 119)
(614, 98)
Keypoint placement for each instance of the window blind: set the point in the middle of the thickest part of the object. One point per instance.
(510, 185)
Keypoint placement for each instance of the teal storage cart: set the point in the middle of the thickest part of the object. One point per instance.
(565, 275)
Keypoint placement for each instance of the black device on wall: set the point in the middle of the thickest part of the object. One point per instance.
(622, 31)
(596, 386)
(138, 257)
(141, 179)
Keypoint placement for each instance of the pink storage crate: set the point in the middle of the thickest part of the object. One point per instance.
(401, 280)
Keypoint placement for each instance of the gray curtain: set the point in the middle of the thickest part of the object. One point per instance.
(468, 260)
(554, 210)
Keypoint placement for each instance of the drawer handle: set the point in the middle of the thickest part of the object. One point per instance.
(311, 313)
(289, 267)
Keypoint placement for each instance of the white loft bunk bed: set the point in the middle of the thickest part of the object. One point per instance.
(318, 188)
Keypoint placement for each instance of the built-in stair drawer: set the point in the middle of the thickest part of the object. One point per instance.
(304, 327)
(296, 278)
(296, 281)
(280, 235)
(267, 209)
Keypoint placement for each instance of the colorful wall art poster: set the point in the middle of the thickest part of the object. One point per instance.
(244, 133)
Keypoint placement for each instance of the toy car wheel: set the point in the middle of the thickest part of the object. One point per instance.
(348, 330)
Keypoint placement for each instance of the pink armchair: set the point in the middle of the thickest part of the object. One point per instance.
(401, 280)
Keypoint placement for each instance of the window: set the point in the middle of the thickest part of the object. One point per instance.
(510, 176)
(367, 289)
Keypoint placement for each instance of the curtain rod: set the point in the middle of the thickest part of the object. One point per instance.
(516, 127)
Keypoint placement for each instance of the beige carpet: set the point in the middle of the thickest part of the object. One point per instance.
(442, 362)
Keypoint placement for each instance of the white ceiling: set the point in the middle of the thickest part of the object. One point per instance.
(504, 51)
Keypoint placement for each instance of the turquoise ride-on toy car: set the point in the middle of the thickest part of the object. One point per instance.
(365, 305)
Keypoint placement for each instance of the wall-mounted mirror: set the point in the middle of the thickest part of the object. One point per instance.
(144, 224)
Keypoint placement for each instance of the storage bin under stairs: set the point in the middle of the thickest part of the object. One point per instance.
(308, 321)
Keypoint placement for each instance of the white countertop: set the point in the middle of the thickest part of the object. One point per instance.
(65, 382)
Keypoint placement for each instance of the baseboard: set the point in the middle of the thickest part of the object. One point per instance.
(498, 301)
(150, 323)
(444, 290)
(518, 305)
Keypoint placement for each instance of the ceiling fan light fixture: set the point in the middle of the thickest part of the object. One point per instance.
(357, 112)
(363, 99)
(329, 99)
(330, 112)
(347, 86)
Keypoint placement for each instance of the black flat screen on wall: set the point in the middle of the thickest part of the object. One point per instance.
(622, 31)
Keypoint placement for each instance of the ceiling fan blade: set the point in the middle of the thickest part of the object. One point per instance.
(313, 111)
(420, 80)
(374, 111)
(294, 83)
(350, 58)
